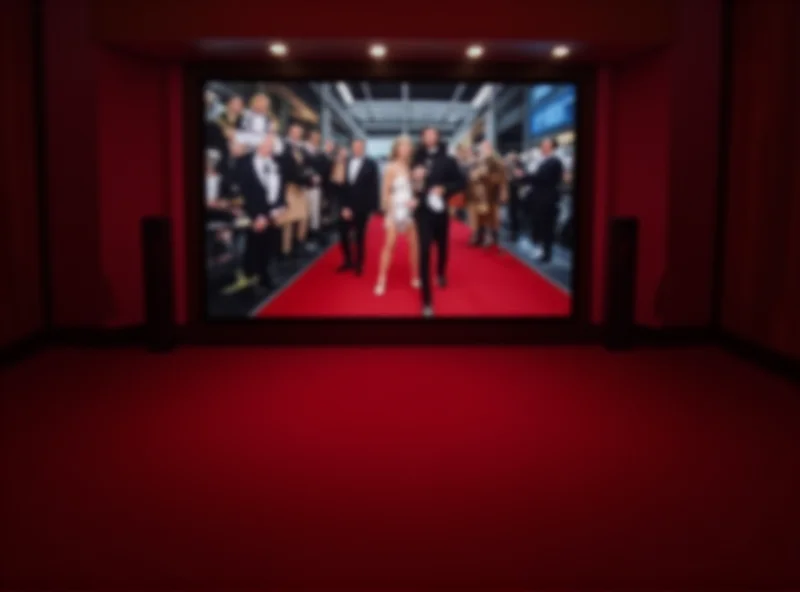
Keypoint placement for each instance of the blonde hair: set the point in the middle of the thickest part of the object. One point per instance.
(393, 155)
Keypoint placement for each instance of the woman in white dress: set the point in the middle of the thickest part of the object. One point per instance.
(397, 200)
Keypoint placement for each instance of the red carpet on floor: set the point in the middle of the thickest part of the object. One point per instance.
(533, 468)
(482, 283)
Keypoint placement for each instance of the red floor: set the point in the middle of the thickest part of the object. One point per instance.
(557, 468)
(481, 283)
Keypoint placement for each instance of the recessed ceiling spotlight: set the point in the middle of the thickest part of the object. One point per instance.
(278, 49)
(474, 52)
(377, 51)
(560, 51)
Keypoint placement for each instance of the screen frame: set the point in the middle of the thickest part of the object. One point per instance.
(201, 327)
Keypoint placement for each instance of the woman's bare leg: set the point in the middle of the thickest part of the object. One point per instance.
(386, 258)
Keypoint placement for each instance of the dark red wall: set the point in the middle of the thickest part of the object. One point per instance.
(79, 295)
(685, 295)
(125, 114)
(639, 167)
(656, 159)
(761, 299)
(110, 162)
(20, 287)
(133, 172)
(145, 22)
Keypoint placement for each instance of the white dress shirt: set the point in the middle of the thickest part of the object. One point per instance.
(212, 188)
(435, 202)
(353, 169)
(269, 174)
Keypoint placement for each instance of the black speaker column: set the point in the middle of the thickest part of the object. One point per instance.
(158, 283)
(621, 283)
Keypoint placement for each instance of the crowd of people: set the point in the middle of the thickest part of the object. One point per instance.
(284, 192)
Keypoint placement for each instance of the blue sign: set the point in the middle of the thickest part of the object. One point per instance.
(539, 91)
(557, 113)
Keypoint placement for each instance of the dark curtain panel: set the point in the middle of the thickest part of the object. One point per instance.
(21, 310)
(761, 282)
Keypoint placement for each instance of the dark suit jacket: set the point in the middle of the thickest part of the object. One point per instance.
(215, 137)
(321, 164)
(546, 181)
(362, 195)
(297, 165)
(256, 202)
(442, 170)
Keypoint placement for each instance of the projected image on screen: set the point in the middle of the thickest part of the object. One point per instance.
(388, 199)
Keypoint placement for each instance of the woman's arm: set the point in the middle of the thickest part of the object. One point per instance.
(386, 188)
(337, 174)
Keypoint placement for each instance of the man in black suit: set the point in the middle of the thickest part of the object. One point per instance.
(546, 184)
(359, 199)
(437, 177)
(261, 179)
(515, 203)
(320, 163)
(328, 191)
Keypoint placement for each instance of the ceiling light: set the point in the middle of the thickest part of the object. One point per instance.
(278, 49)
(474, 52)
(377, 51)
(560, 51)
(344, 92)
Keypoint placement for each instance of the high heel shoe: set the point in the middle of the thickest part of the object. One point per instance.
(380, 289)
(415, 283)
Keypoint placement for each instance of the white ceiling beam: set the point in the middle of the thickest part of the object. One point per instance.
(455, 99)
(405, 92)
(327, 97)
(478, 103)
(368, 98)
(398, 125)
(345, 93)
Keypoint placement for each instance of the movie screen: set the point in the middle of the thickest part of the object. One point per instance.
(347, 199)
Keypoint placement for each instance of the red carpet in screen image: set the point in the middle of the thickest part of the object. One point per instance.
(481, 283)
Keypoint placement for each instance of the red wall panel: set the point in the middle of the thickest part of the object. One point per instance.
(131, 23)
(78, 289)
(108, 122)
(667, 99)
(601, 195)
(639, 168)
(20, 286)
(693, 162)
(133, 128)
(177, 195)
(762, 250)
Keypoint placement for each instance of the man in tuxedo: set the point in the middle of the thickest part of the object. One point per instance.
(321, 165)
(359, 198)
(328, 199)
(221, 133)
(515, 203)
(546, 192)
(262, 182)
(436, 177)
